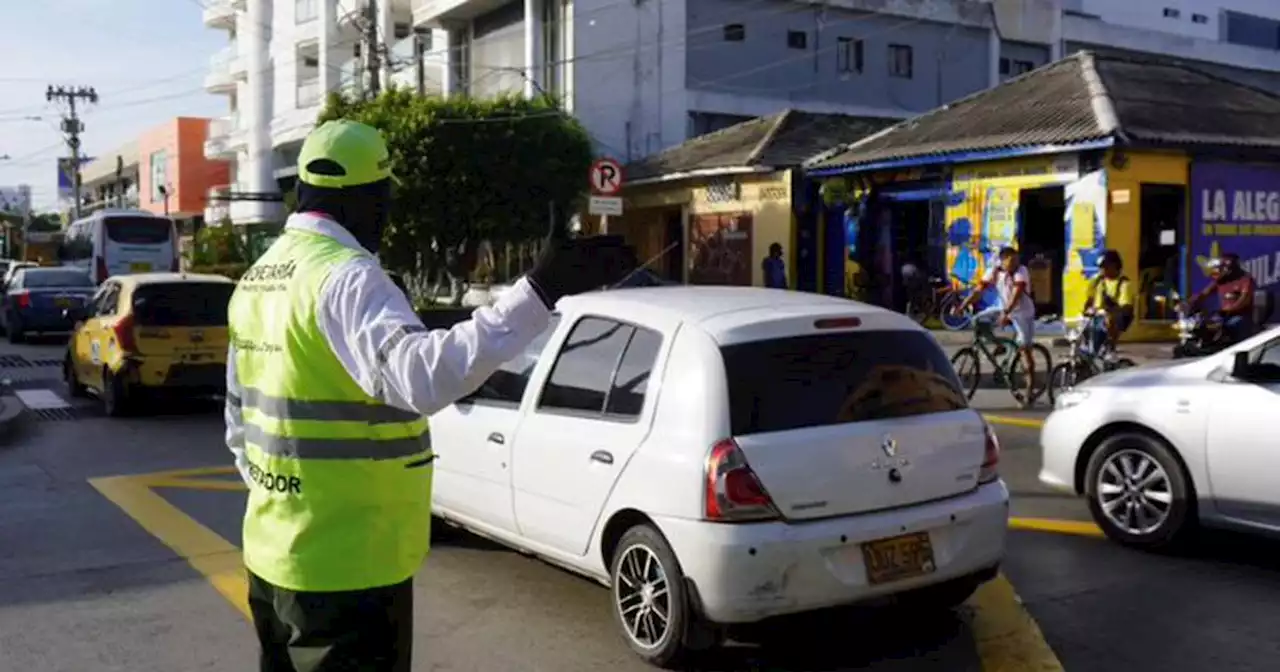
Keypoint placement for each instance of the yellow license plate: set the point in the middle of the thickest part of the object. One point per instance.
(139, 268)
(62, 303)
(897, 558)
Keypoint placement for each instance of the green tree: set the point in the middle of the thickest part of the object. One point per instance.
(220, 249)
(470, 170)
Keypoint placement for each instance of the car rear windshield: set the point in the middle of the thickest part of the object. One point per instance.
(137, 230)
(831, 379)
(182, 304)
(54, 277)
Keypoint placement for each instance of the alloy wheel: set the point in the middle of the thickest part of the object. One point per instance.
(642, 597)
(1134, 492)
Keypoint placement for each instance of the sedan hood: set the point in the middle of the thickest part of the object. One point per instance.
(1155, 373)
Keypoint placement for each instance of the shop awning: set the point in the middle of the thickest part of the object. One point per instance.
(1088, 100)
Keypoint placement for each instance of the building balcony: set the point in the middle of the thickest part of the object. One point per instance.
(435, 13)
(226, 68)
(224, 138)
(309, 93)
(220, 14)
(217, 207)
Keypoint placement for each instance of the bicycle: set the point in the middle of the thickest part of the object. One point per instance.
(1084, 360)
(1003, 353)
(950, 296)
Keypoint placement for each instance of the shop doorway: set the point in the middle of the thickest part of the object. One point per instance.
(1041, 239)
(1161, 214)
(673, 242)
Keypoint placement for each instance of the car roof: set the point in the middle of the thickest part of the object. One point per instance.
(720, 310)
(159, 278)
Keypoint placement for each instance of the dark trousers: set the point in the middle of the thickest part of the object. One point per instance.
(351, 631)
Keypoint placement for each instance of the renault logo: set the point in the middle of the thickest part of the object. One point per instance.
(889, 446)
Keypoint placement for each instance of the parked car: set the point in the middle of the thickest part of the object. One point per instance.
(1160, 449)
(721, 455)
(150, 332)
(36, 298)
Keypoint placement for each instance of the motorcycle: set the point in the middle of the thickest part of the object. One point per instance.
(1198, 335)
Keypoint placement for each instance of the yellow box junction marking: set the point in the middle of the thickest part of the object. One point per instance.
(1005, 635)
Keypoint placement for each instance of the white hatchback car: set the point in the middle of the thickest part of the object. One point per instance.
(1158, 449)
(722, 455)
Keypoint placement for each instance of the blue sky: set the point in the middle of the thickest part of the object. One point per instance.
(146, 58)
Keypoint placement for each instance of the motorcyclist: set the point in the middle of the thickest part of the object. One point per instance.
(1111, 293)
(1235, 288)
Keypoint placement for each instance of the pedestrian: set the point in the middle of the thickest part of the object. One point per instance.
(330, 379)
(774, 268)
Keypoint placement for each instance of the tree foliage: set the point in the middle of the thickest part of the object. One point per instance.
(471, 170)
(219, 249)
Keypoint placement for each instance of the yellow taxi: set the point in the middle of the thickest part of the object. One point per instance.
(150, 332)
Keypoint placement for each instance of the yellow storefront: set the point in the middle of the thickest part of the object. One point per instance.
(712, 229)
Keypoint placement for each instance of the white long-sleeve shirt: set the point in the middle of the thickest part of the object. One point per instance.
(382, 344)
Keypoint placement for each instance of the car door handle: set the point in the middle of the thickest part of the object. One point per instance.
(497, 438)
(602, 456)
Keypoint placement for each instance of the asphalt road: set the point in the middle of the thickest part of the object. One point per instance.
(141, 573)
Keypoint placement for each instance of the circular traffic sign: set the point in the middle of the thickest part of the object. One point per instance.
(606, 177)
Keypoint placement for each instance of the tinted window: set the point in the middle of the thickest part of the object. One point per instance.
(52, 277)
(137, 230)
(182, 304)
(626, 396)
(811, 381)
(508, 383)
(583, 372)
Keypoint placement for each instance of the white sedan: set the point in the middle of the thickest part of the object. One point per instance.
(722, 455)
(1159, 449)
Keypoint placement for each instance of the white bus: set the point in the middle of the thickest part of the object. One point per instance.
(120, 242)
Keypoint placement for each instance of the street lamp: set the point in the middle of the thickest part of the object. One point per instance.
(164, 191)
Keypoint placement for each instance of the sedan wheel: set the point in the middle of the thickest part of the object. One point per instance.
(649, 602)
(1138, 492)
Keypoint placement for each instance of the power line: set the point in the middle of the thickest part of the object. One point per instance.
(72, 126)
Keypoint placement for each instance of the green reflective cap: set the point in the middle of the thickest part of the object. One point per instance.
(344, 153)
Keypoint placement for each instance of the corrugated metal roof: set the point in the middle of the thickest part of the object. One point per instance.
(1083, 98)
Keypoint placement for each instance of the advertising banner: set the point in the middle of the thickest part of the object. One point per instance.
(15, 200)
(66, 177)
(1235, 208)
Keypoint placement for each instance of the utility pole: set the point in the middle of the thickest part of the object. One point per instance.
(72, 126)
(371, 47)
(421, 45)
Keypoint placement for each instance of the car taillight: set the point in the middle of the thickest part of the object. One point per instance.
(990, 458)
(23, 299)
(733, 493)
(100, 267)
(124, 334)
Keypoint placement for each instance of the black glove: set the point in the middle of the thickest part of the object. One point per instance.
(572, 266)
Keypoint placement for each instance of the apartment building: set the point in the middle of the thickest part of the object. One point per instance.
(282, 57)
(647, 74)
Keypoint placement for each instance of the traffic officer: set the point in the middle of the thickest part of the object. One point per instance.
(330, 377)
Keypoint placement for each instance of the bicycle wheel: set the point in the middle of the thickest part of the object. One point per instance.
(949, 320)
(1061, 379)
(1018, 371)
(920, 308)
(968, 368)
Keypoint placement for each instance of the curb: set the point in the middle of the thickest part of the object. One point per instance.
(13, 416)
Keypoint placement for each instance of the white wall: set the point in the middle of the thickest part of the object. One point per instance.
(1149, 14)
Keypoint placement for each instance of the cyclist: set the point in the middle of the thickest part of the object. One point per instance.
(1111, 293)
(1012, 281)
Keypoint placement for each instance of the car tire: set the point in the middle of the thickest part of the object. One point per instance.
(643, 554)
(74, 387)
(116, 395)
(1137, 472)
(943, 596)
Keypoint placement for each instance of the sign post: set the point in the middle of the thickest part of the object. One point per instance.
(606, 183)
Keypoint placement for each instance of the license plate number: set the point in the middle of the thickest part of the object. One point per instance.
(897, 558)
(139, 268)
(62, 303)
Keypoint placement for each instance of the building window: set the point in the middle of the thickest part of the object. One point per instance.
(1171, 13)
(848, 54)
(797, 39)
(1252, 31)
(900, 61)
(1199, 18)
(1022, 67)
(305, 10)
(159, 175)
(735, 32)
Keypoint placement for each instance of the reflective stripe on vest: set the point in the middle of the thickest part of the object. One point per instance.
(341, 482)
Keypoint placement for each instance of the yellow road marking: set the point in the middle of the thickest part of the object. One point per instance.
(1075, 527)
(217, 559)
(1014, 421)
(221, 470)
(1004, 633)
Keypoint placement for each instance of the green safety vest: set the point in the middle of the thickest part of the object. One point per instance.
(341, 492)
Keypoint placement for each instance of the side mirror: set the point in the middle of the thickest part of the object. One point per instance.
(1240, 366)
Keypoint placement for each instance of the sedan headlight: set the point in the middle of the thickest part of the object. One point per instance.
(1070, 399)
